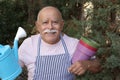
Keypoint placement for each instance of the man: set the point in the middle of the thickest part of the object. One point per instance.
(48, 54)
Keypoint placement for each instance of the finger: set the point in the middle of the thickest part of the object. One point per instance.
(78, 70)
(75, 68)
(81, 72)
(71, 67)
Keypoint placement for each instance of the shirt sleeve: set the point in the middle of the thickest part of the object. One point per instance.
(22, 51)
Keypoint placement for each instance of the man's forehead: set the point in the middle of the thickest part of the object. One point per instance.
(47, 19)
(49, 12)
(52, 18)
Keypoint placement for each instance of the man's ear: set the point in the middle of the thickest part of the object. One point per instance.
(37, 26)
(62, 25)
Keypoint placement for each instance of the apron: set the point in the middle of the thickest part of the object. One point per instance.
(53, 67)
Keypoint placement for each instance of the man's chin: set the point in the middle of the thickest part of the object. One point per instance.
(52, 41)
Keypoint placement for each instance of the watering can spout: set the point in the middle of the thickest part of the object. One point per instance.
(15, 49)
(20, 34)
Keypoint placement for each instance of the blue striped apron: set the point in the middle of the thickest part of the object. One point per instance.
(53, 67)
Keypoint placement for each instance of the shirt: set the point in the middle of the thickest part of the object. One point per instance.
(28, 51)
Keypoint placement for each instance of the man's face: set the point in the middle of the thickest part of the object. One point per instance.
(50, 25)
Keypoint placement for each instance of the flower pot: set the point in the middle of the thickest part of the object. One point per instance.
(86, 48)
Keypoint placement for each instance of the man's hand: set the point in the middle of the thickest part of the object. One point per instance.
(80, 67)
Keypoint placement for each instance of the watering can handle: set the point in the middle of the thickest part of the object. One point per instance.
(15, 49)
(20, 33)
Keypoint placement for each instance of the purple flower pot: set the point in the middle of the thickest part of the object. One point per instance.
(85, 49)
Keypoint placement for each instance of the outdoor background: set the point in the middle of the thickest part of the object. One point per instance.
(95, 19)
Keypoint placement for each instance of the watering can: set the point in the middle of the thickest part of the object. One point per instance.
(9, 64)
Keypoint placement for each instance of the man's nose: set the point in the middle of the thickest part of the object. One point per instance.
(50, 25)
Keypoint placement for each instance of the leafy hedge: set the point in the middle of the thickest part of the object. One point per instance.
(103, 26)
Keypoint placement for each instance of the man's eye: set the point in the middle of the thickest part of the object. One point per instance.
(44, 22)
(56, 22)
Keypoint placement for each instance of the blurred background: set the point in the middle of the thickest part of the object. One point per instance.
(95, 19)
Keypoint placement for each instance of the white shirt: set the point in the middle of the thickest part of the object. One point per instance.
(28, 51)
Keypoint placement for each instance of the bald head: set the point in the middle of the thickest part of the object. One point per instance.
(48, 10)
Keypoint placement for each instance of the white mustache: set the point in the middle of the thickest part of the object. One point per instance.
(50, 31)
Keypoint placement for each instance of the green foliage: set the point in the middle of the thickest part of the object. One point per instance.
(109, 39)
(11, 17)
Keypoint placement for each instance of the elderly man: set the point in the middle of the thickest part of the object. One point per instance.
(48, 54)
